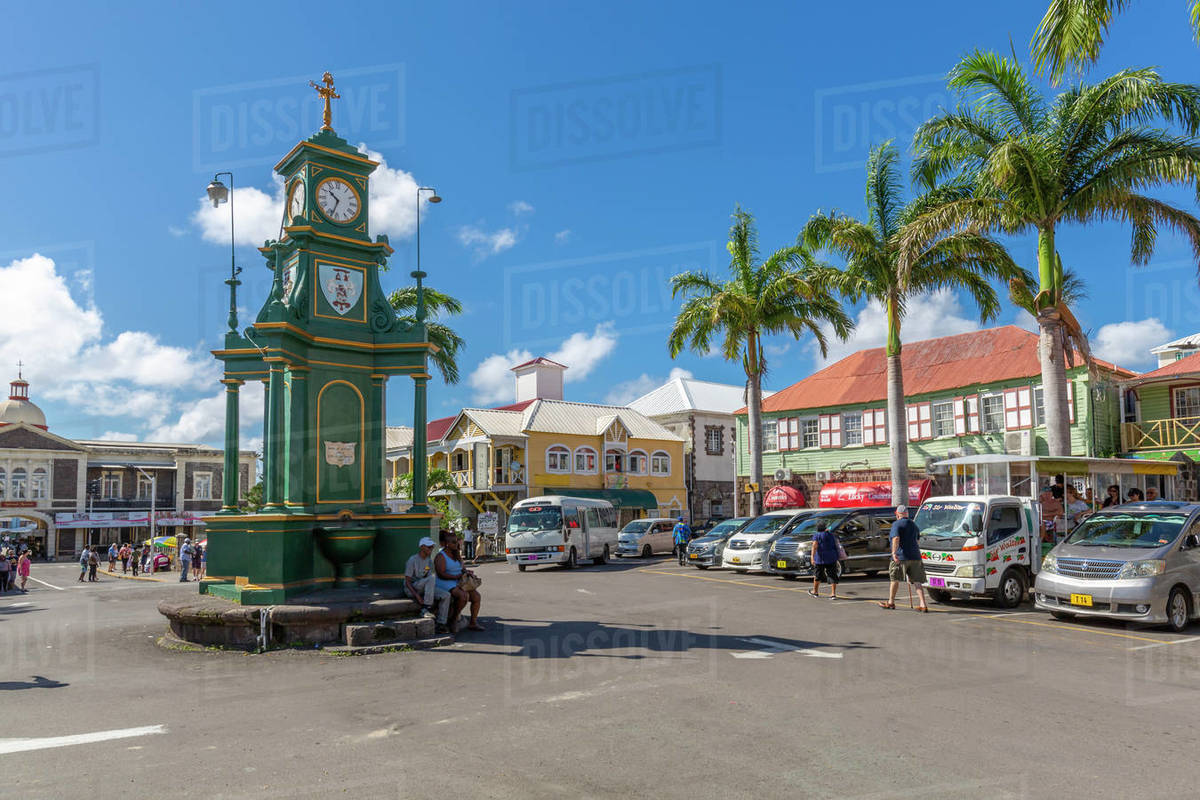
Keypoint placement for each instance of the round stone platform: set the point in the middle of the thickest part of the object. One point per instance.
(346, 619)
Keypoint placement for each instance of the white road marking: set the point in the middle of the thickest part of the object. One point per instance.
(16, 605)
(43, 583)
(771, 648)
(583, 591)
(1160, 644)
(45, 743)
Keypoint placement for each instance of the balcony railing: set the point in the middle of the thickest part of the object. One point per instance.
(463, 479)
(1160, 433)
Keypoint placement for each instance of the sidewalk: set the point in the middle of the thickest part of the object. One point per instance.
(131, 577)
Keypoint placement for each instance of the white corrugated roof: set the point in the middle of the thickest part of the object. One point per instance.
(561, 416)
(689, 394)
(496, 423)
(399, 436)
(1187, 342)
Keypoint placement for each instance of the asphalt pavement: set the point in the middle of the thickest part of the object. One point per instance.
(637, 679)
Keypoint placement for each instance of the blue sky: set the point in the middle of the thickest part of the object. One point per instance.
(585, 152)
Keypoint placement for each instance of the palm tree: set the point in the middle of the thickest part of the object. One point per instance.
(783, 294)
(1072, 31)
(871, 251)
(1086, 157)
(449, 343)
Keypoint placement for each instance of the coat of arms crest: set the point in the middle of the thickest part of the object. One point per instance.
(340, 454)
(341, 286)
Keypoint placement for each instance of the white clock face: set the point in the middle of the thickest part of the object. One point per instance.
(338, 201)
(296, 200)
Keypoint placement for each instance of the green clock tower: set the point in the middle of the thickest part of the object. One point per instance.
(325, 343)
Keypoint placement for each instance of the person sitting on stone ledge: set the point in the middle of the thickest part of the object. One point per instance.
(462, 584)
(421, 585)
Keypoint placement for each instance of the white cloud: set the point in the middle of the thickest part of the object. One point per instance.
(624, 393)
(563, 236)
(258, 214)
(493, 382)
(132, 375)
(928, 316)
(1128, 343)
(582, 353)
(485, 244)
(519, 207)
(117, 436)
(204, 420)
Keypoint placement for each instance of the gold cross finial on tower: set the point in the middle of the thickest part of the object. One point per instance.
(327, 93)
(19, 365)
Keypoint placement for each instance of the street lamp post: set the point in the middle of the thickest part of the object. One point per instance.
(420, 444)
(218, 193)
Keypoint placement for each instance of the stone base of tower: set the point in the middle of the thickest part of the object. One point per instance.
(264, 559)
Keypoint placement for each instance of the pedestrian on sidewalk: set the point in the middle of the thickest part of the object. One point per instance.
(906, 559)
(135, 560)
(145, 558)
(185, 560)
(826, 552)
(93, 564)
(83, 562)
(4, 570)
(123, 554)
(469, 543)
(23, 569)
(112, 557)
(12, 570)
(198, 562)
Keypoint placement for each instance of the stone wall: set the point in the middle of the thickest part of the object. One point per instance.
(64, 479)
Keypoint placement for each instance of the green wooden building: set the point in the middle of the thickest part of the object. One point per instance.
(970, 393)
(1161, 415)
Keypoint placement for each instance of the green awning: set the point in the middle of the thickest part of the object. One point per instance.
(620, 498)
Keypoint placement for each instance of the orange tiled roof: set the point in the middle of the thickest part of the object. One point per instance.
(1183, 366)
(933, 365)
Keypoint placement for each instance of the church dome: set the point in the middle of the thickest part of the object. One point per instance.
(19, 408)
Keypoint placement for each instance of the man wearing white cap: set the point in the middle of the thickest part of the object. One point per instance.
(420, 583)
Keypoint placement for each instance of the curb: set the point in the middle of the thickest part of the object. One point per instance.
(131, 577)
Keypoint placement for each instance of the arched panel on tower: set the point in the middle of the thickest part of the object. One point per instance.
(341, 437)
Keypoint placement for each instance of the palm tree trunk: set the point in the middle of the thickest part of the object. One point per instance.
(1054, 385)
(754, 408)
(897, 416)
(1050, 347)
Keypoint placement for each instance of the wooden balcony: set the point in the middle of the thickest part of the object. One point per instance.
(464, 479)
(1156, 434)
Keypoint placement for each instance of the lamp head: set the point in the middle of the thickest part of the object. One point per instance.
(217, 192)
(435, 199)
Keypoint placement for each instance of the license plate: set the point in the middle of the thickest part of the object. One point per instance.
(781, 564)
(736, 560)
(529, 558)
(940, 583)
(1081, 600)
(692, 555)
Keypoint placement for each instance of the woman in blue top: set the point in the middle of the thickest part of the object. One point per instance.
(449, 568)
(825, 555)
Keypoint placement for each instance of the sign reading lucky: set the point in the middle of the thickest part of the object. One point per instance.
(341, 286)
(340, 454)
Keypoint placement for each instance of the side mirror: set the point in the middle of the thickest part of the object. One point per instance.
(1190, 541)
(976, 523)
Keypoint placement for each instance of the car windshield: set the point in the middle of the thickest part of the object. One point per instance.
(808, 527)
(1128, 530)
(948, 520)
(766, 524)
(722, 528)
(637, 526)
(535, 518)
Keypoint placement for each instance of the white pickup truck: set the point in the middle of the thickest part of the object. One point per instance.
(980, 546)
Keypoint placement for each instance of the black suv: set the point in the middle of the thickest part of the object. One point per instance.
(863, 533)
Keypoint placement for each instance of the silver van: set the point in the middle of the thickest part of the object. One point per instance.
(1138, 562)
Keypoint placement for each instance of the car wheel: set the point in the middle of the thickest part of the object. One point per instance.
(1062, 615)
(740, 571)
(603, 558)
(1178, 610)
(871, 573)
(701, 566)
(571, 561)
(787, 577)
(1011, 590)
(521, 567)
(646, 551)
(940, 595)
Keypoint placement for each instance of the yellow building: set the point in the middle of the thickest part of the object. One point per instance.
(543, 444)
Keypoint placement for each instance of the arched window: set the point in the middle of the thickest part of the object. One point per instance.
(38, 485)
(3, 484)
(585, 461)
(638, 463)
(558, 459)
(614, 461)
(18, 486)
(660, 463)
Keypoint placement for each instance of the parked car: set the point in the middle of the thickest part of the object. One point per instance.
(706, 551)
(745, 550)
(644, 537)
(1138, 562)
(863, 533)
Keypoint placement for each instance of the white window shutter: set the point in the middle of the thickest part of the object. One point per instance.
(914, 426)
(823, 430)
(835, 430)
(1071, 401)
(1012, 414)
(972, 404)
(868, 427)
(1025, 407)
(926, 415)
(960, 416)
